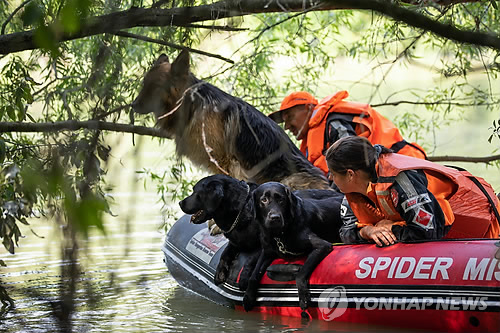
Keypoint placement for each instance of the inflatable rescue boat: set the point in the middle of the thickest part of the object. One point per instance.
(447, 285)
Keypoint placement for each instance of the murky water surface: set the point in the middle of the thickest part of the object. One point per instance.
(124, 285)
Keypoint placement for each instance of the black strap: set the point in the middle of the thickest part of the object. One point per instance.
(490, 200)
(400, 144)
(329, 119)
(390, 179)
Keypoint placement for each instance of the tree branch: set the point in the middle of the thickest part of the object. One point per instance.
(4, 25)
(73, 125)
(214, 27)
(450, 158)
(440, 102)
(417, 20)
(154, 17)
(172, 45)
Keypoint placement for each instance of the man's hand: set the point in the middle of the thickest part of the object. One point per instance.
(381, 235)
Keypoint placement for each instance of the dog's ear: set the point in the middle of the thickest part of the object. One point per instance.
(161, 59)
(252, 206)
(293, 201)
(216, 196)
(180, 66)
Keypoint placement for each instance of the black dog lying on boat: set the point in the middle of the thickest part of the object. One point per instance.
(226, 200)
(229, 203)
(286, 231)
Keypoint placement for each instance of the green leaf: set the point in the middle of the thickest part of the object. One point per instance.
(69, 17)
(27, 94)
(72, 14)
(8, 244)
(494, 4)
(87, 213)
(11, 112)
(33, 14)
(45, 38)
(30, 117)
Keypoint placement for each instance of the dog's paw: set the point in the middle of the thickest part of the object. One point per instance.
(304, 300)
(221, 274)
(215, 230)
(243, 283)
(249, 301)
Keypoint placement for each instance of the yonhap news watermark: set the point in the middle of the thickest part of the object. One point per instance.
(334, 302)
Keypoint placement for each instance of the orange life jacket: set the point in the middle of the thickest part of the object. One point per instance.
(369, 124)
(466, 208)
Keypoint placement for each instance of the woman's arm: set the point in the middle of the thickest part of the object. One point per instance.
(352, 232)
(418, 207)
(349, 232)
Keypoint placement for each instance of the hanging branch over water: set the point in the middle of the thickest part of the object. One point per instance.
(183, 16)
(74, 125)
(172, 45)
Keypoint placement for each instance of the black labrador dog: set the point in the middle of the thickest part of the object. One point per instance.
(230, 204)
(226, 200)
(286, 231)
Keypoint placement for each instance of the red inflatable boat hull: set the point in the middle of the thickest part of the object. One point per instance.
(448, 286)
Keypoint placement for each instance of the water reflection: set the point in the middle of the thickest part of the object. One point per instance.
(124, 293)
(124, 285)
(132, 293)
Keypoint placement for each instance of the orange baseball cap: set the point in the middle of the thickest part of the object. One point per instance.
(295, 98)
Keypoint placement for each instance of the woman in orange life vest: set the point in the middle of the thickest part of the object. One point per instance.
(319, 125)
(391, 197)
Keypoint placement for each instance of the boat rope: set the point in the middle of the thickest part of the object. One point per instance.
(239, 213)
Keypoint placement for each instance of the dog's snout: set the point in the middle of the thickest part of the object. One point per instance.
(274, 220)
(273, 216)
(182, 204)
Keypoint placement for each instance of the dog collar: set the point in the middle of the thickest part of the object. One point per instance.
(282, 248)
(239, 213)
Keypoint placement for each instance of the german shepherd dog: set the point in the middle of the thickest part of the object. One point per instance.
(219, 132)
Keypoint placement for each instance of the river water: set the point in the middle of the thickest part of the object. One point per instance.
(124, 285)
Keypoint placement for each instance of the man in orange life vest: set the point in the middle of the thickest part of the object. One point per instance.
(391, 197)
(320, 125)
